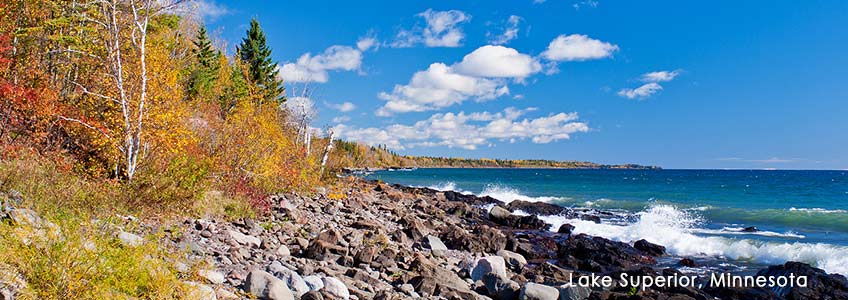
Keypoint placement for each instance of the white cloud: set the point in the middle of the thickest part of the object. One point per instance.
(313, 68)
(498, 61)
(578, 47)
(341, 119)
(659, 76)
(651, 85)
(441, 30)
(342, 107)
(510, 31)
(437, 87)
(469, 131)
(204, 9)
(366, 43)
(586, 3)
(641, 92)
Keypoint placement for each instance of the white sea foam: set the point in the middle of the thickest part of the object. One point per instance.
(819, 210)
(675, 229)
(507, 194)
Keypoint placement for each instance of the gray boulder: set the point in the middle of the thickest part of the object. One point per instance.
(535, 291)
(501, 288)
(314, 282)
(291, 278)
(435, 245)
(244, 239)
(335, 288)
(574, 292)
(514, 260)
(489, 265)
(267, 287)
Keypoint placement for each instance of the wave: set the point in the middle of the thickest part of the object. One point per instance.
(819, 210)
(508, 194)
(676, 230)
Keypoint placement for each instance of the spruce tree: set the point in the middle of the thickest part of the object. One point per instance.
(206, 64)
(262, 70)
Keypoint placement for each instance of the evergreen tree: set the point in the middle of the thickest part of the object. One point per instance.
(206, 64)
(262, 70)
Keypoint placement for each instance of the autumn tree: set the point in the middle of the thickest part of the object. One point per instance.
(261, 68)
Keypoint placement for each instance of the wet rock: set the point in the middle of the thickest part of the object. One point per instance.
(597, 254)
(489, 265)
(750, 229)
(335, 288)
(535, 291)
(565, 228)
(649, 248)
(687, 262)
(592, 218)
(265, 286)
(537, 208)
(820, 285)
(435, 245)
(514, 260)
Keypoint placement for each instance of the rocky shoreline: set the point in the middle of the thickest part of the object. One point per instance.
(394, 242)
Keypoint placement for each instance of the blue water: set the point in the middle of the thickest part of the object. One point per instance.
(796, 211)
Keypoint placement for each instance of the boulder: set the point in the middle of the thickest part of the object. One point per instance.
(687, 262)
(820, 285)
(489, 265)
(597, 254)
(265, 286)
(750, 229)
(574, 292)
(424, 285)
(537, 208)
(283, 251)
(213, 277)
(514, 260)
(293, 280)
(314, 282)
(501, 288)
(312, 295)
(435, 245)
(535, 291)
(244, 239)
(335, 288)
(593, 218)
(129, 239)
(565, 228)
(649, 248)
(499, 214)
(197, 291)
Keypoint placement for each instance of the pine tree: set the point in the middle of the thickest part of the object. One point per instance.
(262, 70)
(206, 64)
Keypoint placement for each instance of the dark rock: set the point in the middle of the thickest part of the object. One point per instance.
(750, 229)
(365, 255)
(501, 288)
(537, 208)
(482, 239)
(687, 262)
(565, 228)
(592, 218)
(597, 254)
(820, 285)
(312, 295)
(424, 285)
(500, 215)
(320, 250)
(649, 248)
(470, 199)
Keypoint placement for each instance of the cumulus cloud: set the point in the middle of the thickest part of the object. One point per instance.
(341, 119)
(578, 47)
(366, 43)
(498, 61)
(441, 30)
(314, 68)
(437, 87)
(510, 31)
(481, 75)
(651, 86)
(342, 107)
(469, 131)
(644, 91)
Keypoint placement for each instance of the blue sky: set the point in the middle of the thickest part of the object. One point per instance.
(679, 84)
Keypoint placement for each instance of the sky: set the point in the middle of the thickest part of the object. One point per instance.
(678, 84)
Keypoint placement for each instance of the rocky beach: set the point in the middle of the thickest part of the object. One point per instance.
(380, 241)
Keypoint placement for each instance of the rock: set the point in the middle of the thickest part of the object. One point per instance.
(407, 288)
(213, 277)
(321, 250)
(267, 287)
(499, 214)
(435, 245)
(365, 255)
(514, 260)
(312, 295)
(314, 282)
(129, 239)
(535, 291)
(750, 229)
(206, 234)
(597, 254)
(820, 285)
(592, 218)
(283, 251)
(224, 294)
(537, 208)
(565, 228)
(424, 285)
(335, 288)
(200, 291)
(574, 292)
(501, 288)
(482, 239)
(244, 239)
(649, 248)
(489, 265)
(687, 262)
(295, 283)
